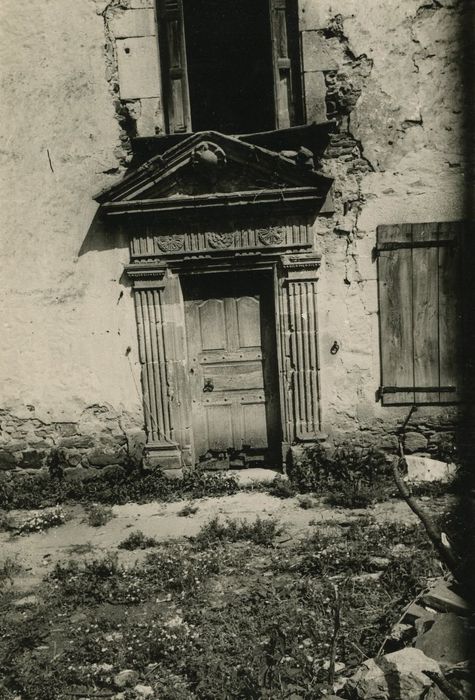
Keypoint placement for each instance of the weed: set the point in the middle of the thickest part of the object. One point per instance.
(182, 569)
(175, 568)
(6, 522)
(56, 462)
(188, 509)
(8, 569)
(196, 620)
(346, 467)
(433, 489)
(306, 502)
(352, 551)
(43, 520)
(83, 548)
(356, 494)
(138, 540)
(281, 488)
(445, 448)
(98, 515)
(260, 531)
(138, 486)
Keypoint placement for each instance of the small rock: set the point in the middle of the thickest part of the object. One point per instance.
(417, 612)
(379, 563)
(102, 668)
(447, 641)
(415, 442)
(26, 602)
(105, 457)
(145, 691)
(339, 666)
(367, 577)
(442, 597)
(400, 550)
(401, 632)
(423, 624)
(425, 469)
(255, 475)
(241, 591)
(175, 621)
(113, 637)
(7, 460)
(126, 678)
(434, 693)
(32, 458)
(396, 676)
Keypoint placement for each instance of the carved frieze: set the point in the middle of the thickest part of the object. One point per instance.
(171, 244)
(291, 234)
(220, 240)
(272, 235)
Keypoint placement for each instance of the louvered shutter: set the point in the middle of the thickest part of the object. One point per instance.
(282, 64)
(419, 312)
(174, 73)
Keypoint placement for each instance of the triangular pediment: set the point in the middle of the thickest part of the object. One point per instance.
(210, 165)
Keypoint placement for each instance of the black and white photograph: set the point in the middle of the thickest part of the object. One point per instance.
(237, 350)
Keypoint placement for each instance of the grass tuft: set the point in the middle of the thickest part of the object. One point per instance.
(260, 531)
(187, 510)
(99, 515)
(138, 540)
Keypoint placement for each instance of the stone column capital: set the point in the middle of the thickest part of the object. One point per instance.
(147, 275)
(301, 266)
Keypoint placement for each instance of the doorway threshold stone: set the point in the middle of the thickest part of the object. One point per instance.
(254, 475)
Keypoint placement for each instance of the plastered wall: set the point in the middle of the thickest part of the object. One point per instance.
(64, 329)
(79, 79)
(392, 74)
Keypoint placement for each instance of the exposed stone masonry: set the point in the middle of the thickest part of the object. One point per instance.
(98, 439)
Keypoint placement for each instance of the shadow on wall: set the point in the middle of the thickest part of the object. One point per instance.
(103, 234)
(465, 512)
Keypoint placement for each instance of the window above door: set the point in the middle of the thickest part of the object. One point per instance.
(230, 66)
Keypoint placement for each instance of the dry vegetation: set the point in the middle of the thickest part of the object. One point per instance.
(239, 611)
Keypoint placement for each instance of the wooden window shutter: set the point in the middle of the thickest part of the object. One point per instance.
(282, 64)
(174, 70)
(419, 311)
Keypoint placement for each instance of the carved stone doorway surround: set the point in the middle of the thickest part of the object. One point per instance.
(217, 203)
(162, 347)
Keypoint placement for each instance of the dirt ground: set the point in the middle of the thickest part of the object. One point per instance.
(37, 553)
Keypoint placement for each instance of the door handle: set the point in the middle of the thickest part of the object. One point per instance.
(208, 385)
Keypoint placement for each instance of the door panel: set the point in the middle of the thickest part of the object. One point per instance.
(248, 319)
(219, 424)
(212, 324)
(255, 428)
(232, 365)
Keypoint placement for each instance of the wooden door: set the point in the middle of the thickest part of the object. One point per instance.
(230, 326)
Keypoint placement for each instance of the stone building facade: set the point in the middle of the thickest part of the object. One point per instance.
(303, 198)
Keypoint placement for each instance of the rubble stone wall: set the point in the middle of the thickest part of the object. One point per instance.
(388, 72)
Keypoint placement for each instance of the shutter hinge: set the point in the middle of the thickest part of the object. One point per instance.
(418, 389)
(395, 245)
